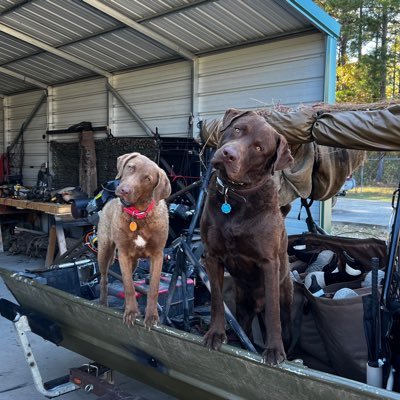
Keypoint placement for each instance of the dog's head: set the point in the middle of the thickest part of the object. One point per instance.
(141, 179)
(249, 148)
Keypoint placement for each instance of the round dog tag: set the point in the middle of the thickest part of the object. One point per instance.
(226, 208)
(133, 226)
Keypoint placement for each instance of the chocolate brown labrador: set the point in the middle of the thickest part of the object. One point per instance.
(136, 224)
(242, 228)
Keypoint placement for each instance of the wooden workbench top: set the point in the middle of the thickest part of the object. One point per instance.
(48, 208)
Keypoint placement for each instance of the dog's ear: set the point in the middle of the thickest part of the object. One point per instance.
(231, 115)
(284, 158)
(121, 162)
(163, 187)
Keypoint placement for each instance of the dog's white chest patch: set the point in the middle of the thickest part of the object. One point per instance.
(140, 242)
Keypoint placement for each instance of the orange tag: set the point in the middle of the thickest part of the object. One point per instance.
(133, 226)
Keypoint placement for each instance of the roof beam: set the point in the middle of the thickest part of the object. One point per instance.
(142, 29)
(24, 78)
(44, 46)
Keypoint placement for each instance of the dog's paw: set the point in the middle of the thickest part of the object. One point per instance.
(130, 316)
(274, 356)
(151, 320)
(214, 339)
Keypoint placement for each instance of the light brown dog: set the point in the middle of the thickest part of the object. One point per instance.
(136, 224)
(242, 228)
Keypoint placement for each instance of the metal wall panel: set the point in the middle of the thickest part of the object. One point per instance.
(35, 140)
(289, 71)
(77, 102)
(161, 95)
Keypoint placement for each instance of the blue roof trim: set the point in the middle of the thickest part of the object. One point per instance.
(317, 16)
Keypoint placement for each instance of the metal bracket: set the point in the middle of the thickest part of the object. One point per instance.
(97, 379)
(21, 325)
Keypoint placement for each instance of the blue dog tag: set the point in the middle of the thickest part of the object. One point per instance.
(226, 208)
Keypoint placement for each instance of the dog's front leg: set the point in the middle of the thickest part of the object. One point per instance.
(151, 318)
(131, 306)
(105, 258)
(216, 335)
(274, 352)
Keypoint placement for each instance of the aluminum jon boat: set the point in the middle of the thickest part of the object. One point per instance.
(175, 361)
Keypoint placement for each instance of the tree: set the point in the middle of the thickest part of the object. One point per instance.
(368, 48)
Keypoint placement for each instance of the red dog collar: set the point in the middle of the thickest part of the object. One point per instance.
(135, 213)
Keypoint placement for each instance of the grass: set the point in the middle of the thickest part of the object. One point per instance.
(371, 193)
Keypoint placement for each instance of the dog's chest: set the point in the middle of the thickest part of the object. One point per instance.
(137, 243)
(140, 242)
(233, 237)
(240, 243)
(237, 242)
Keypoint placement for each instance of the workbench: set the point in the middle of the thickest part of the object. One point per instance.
(58, 213)
(48, 208)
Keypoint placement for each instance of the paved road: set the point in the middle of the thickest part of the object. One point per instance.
(369, 212)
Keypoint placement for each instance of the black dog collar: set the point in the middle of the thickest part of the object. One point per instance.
(233, 189)
(227, 191)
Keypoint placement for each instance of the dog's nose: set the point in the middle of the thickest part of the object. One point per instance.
(123, 189)
(230, 154)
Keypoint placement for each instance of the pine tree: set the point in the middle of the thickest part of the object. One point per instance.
(368, 48)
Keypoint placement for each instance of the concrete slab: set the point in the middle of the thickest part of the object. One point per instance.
(16, 382)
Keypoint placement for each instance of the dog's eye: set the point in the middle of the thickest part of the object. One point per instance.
(147, 179)
(237, 130)
(259, 148)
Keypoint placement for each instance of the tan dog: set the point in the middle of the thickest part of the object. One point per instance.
(136, 224)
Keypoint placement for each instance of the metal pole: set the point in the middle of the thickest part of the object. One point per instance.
(392, 250)
(130, 110)
(21, 325)
(28, 120)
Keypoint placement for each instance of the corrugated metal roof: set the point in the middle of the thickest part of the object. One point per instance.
(84, 33)
(9, 85)
(48, 68)
(222, 23)
(12, 49)
(58, 22)
(5, 5)
(119, 49)
(139, 10)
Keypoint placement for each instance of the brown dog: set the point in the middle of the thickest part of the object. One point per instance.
(136, 224)
(242, 228)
